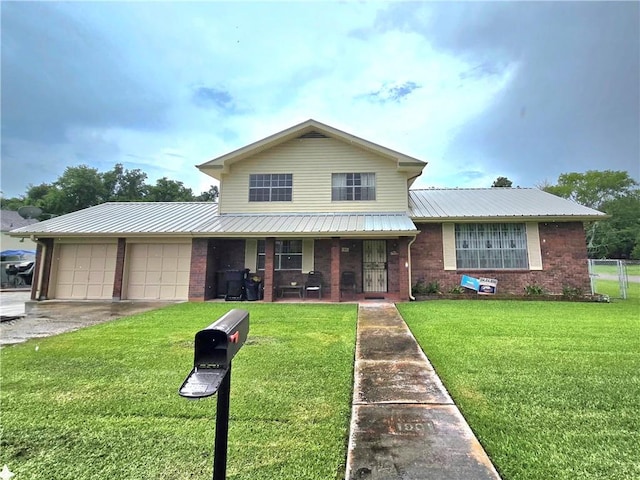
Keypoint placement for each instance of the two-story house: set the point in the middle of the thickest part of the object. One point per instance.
(313, 198)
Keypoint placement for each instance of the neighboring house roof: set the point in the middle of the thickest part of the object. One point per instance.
(312, 128)
(202, 219)
(437, 205)
(11, 220)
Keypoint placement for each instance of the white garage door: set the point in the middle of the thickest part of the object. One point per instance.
(85, 271)
(158, 271)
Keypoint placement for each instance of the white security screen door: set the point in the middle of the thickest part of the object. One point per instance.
(374, 265)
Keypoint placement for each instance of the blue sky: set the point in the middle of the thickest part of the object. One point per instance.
(478, 90)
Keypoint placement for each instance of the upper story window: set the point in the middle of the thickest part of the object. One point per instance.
(270, 187)
(353, 186)
(491, 246)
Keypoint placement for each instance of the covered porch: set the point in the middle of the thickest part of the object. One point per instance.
(351, 256)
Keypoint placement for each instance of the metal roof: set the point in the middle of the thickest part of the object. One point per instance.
(317, 224)
(495, 203)
(202, 219)
(127, 218)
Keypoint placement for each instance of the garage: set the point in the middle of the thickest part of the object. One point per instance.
(158, 271)
(84, 271)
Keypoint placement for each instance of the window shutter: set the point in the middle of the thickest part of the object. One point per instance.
(250, 254)
(307, 255)
(449, 246)
(533, 246)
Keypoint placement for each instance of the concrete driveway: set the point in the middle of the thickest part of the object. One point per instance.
(48, 318)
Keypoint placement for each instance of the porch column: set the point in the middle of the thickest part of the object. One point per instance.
(119, 273)
(335, 269)
(269, 265)
(403, 268)
(198, 269)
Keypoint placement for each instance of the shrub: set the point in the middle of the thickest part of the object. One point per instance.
(423, 288)
(457, 290)
(571, 292)
(534, 290)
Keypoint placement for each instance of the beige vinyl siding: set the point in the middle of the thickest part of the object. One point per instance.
(307, 255)
(449, 246)
(251, 254)
(312, 161)
(533, 246)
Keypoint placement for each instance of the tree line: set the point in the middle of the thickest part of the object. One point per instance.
(83, 186)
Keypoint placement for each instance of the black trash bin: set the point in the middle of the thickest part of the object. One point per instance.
(235, 285)
(252, 288)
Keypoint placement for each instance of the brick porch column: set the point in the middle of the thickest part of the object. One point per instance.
(403, 268)
(335, 269)
(119, 272)
(269, 265)
(198, 269)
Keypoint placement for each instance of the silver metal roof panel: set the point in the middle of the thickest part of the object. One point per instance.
(494, 203)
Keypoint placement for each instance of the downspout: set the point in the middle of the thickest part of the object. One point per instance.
(411, 297)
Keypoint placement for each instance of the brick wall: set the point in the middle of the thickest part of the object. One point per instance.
(564, 261)
(198, 273)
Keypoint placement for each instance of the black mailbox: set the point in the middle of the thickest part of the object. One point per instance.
(215, 347)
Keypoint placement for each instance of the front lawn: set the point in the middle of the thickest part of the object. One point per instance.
(102, 402)
(551, 389)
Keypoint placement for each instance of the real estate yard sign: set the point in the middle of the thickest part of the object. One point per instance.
(484, 286)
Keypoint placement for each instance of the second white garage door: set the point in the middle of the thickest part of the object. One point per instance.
(158, 271)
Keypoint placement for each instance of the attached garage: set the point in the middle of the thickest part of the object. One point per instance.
(158, 271)
(84, 271)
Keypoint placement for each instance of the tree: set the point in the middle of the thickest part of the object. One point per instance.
(614, 193)
(166, 190)
(125, 185)
(210, 195)
(593, 188)
(502, 182)
(618, 236)
(77, 188)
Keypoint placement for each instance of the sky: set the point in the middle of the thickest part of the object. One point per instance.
(525, 90)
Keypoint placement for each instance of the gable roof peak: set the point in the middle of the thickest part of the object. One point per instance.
(308, 129)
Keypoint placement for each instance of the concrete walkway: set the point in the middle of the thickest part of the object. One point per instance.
(404, 424)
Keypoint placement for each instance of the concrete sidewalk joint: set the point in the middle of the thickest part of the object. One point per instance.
(404, 424)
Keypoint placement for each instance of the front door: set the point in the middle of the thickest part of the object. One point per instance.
(374, 266)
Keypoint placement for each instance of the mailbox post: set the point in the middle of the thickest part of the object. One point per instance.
(214, 348)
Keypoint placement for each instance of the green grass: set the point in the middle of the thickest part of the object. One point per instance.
(613, 269)
(102, 402)
(551, 389)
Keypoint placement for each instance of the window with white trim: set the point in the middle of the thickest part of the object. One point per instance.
(270, 187)
(288, 255)
(491, 246)
(353, 186)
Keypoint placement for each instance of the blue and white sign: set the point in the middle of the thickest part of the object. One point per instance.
(470, 283)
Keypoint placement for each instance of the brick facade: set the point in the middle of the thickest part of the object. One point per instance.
(198, 275)
(118, 275)
(564, 261)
